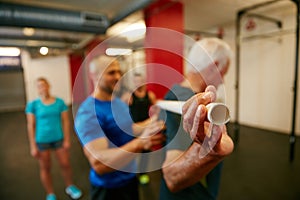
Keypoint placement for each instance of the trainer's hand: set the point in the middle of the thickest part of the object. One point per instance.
(152, 135)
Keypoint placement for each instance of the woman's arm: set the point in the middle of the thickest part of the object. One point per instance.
(31, 134)
(66, 129)
(152, 97)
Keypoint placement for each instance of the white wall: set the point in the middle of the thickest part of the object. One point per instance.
(134, 63)
(266, 75)
(55, 69)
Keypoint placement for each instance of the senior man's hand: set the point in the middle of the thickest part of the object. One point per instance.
(214, 139)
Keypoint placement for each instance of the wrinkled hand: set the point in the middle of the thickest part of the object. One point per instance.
(213, 138)
(194, 113)
(220, 143)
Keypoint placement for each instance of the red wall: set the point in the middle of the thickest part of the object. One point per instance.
(81, 84)
(162, 46)
(165, 66)
(75, 64)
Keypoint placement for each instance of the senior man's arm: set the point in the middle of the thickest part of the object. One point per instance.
(183, 169)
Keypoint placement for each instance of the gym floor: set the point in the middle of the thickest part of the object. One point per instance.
(259, 168)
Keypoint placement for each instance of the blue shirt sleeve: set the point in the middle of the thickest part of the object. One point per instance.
(86, 123)
(62, 106)
(30, 108)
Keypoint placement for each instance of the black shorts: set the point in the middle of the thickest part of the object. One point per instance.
(127, 192)
(50, 145)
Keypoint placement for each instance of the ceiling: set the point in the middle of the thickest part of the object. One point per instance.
(200, 15)
(58, 32)
(215, 13)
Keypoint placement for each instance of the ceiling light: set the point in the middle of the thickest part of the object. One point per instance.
(9, 51)
(44, 50)
(129, 30)
(134, 31)
(117, 51)
(28, 31)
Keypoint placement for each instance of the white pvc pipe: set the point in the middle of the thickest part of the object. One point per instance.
(217, 113)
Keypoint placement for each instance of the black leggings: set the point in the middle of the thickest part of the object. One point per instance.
(127, 192)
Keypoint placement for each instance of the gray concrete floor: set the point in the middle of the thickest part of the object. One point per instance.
(259, 167)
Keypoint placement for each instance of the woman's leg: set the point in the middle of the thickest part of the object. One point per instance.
(63, 158)
(45, 170)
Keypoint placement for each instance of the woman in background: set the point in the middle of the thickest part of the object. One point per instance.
(139, 103)
(49, 130)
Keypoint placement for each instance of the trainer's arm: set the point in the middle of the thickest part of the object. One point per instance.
(104, 159)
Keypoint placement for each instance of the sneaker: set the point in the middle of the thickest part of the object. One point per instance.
(144, 179)
(51, 197)
(73, 192)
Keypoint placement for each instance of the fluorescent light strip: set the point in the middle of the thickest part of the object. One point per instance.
(117, 51)
(9, 51)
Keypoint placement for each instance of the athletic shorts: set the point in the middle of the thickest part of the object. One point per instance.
(50, 146)
(128, 192)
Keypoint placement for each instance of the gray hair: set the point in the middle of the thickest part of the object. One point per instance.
(207, 51)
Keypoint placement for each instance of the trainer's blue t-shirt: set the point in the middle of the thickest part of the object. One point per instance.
(48, 119)
(110, 119)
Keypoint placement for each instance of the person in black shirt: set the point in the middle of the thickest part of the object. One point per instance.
(139, 103)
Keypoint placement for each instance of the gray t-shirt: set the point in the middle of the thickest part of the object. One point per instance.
(177, 138)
